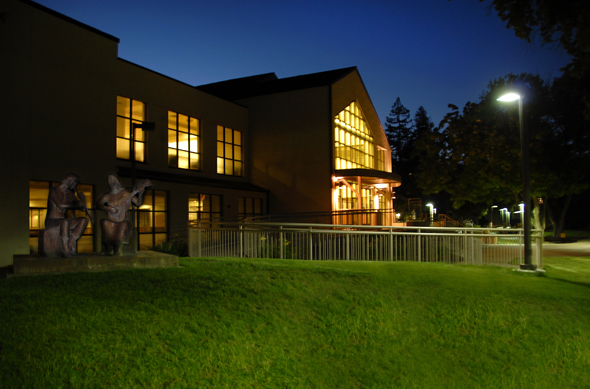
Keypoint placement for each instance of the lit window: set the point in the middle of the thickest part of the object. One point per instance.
(38, 194)
(250, 207)
(183, 141)
(229, 151)
(380, 158)
(354, 147)
(204, 207)
(151, 219)
(128, 112)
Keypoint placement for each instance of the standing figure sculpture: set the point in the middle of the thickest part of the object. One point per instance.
(116, 230)
(61, 234)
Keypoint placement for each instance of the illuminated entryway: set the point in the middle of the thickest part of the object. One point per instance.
(362, 186)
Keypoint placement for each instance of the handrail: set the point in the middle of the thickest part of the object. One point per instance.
(362, 242)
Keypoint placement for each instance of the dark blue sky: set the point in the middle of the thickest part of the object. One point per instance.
(427, 52)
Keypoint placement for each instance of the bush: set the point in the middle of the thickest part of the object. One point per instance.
(176, 247)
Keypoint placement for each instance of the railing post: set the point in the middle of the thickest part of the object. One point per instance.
(419, 245)
(310, 245)
(347, 245)
(199, 240)
(281, 241)
(391, 244)
(241, 239)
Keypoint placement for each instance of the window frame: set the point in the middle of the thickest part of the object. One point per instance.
(354, 145)
(189, 134)
(140, 141)
(228, 164)
(152, 214)
(243, 207)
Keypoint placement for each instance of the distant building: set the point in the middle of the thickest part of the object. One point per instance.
(230, 150)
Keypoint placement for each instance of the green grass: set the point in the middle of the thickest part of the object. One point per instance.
(580, 234)
(229, 323)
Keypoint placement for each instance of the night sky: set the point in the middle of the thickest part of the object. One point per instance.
(427, 52)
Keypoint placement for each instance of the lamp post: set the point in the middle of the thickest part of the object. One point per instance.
(431, 217)
(526, 182)
(492, 216)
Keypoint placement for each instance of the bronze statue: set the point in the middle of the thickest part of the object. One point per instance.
(61, 234)
(116, 230)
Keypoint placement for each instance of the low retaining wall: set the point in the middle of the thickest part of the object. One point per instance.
(32, 264)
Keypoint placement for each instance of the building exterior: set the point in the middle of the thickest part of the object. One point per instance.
(235, 149)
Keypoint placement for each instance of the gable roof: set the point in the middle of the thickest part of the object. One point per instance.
(268, 83)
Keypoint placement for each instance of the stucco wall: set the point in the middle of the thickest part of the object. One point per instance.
(291, 149)
(59, 92)
(57, 89)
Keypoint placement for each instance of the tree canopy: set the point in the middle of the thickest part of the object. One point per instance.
(474, 154)
(564, 22)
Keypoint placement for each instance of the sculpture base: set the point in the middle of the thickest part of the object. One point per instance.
(32, 264)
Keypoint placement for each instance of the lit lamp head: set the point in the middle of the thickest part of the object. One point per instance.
(511, 96)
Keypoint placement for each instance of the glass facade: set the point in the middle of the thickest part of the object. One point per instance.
(152, 219)
(229, 152)
(204, 207)
(250, 207)
(183, 141)
(128, 112)
(354, 147)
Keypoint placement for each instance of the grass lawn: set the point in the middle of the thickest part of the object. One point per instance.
(580, 234)
(229, 323)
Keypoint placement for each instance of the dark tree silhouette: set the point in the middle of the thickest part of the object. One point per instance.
(398, 128)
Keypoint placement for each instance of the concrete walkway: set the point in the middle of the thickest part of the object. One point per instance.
(580, 248)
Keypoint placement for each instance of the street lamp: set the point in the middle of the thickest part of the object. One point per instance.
(492, 216)
(431, 218)
(526, 182)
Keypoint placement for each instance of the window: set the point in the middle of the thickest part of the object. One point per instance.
(38, 194)
(380, 158)
(204, 207)
(249, 207)
(151, 219)
(128, 112)
(183, 141)
(229, 151)
(347, 197)
(354, 148)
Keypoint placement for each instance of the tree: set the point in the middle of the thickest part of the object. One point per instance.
(569, 145)
(474, 155)
(565, 22)
(423, 126)
(398, 129)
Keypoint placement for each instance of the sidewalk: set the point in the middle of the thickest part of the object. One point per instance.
(580, 248)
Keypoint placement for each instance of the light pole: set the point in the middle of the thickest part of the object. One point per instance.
(492, 216)
(431, 218)
(526, 182)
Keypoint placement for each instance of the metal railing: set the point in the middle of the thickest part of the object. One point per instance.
(374, 217)
(503, 247)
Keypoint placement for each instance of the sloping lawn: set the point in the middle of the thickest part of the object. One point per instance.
(229, 323)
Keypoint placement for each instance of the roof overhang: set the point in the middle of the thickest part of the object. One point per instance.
(370, 177)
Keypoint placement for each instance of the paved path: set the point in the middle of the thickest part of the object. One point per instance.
(575, 249)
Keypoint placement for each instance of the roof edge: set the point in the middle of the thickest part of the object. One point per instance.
(69, 20)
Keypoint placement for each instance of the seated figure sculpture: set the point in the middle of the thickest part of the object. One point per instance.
(116, 230)
(61, 234)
